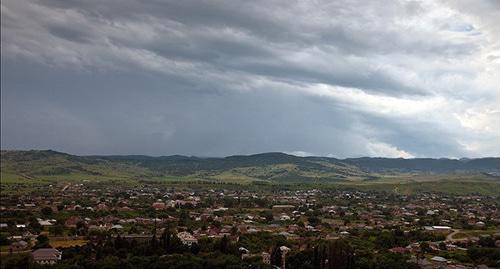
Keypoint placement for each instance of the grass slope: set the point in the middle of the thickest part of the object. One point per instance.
(30, 168)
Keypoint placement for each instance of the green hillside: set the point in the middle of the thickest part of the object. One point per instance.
(48, 167)
(30, 165)
(45, 165)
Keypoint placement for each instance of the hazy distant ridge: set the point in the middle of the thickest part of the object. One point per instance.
(275, 162)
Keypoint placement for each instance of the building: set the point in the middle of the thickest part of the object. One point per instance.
(438, 229)
(439, 259)
(46, 255)
(71, 222)
(187, 238)
(266, 258)
(284, 250)
(279, 209)
(400, 250)
(44, 223)
(159, 206)
(19, 245)
(479, 224)
(102, 206)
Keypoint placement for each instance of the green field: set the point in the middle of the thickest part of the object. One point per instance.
(25, 170)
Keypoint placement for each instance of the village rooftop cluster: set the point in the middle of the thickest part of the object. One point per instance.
(436, 229)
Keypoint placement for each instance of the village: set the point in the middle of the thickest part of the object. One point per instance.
(429, 230)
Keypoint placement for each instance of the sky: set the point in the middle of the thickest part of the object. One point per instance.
(346, 78)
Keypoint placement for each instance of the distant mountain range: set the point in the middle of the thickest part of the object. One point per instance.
(367, 164)
(273, 166)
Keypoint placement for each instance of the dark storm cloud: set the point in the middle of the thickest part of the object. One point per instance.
(342, 78)
(249, 38)
(157, 121)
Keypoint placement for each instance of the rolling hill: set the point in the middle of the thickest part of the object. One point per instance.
(274, 166)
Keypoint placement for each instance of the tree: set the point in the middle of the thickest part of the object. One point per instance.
(393, 261)
(35, 225)
(46, 211)
(4, 241)
(276, 256)
(319, 257)
(267, 214)
(313, 220)
(195, 248)
(153, 244)
(340, 255)
(133, 230)
(487, 241)
(300, 260)
(81, 228)
(489, 256)
(16, 261)
(224, 245)
(57, 229)
(234, 230)
(385, 240)
(424, 247)
(42, 241)
(170, 243)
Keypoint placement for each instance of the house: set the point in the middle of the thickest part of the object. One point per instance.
(284, 217)
(18, 245)
(187, 238)
(44, 223)
(479, 224)
(244, 250)
(72, 221)
(400, 250)
(278, 209)
(438, 229)
(124, 209)
(117, 227)
(344, 233)
(266, 258)
(46, 255)
(102, 206)
(439, 259)
(159, 205)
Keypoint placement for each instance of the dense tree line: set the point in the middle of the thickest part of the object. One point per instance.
(340, 254)
(167, 251)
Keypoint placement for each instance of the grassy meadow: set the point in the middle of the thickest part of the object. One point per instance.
(23, 171)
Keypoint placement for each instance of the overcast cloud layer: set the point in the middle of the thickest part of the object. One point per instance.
(212, 78)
